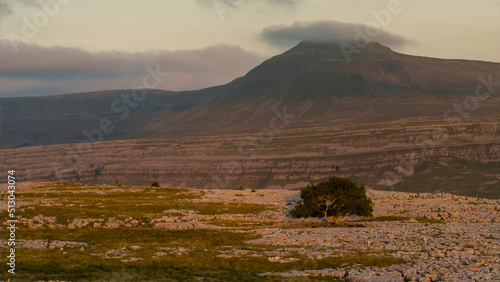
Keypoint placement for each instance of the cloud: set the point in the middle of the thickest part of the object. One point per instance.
(7, 7)
(284, 2)
(240, 3)
(37, 70)
(286, 36)
(222, 6)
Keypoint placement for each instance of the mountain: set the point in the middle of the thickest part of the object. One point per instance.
(314, 81)
(316, 84)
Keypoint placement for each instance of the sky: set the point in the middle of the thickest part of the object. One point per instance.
(53, 47)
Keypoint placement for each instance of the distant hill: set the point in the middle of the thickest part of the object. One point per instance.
(32, 121)
(312, 80)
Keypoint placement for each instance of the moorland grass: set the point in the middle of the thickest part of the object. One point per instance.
(428, 220)
(200, 262)
(384, 218)
(70, 200)
(67, 205)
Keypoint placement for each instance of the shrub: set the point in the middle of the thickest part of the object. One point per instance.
(333, 199)
(239, 188)
(155, 184)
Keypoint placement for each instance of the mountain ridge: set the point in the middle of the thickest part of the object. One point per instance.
(313, 81)
(322, 91)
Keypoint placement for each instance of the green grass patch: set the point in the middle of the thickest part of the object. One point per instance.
(457, 177)
(57, 185)
(120, 237)
(428, 220)
(237, 223)
(224, 208)
(384, 218)
(306, 224)
(68, 205)
(81, 266)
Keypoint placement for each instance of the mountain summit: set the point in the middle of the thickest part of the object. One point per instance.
(320, 87)
(338, 49)
(313, 82)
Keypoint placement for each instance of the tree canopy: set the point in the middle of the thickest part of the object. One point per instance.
(333, 199)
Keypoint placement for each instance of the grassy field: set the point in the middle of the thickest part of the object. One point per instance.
(143, 252)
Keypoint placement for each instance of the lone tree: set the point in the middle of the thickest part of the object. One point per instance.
(333, 199)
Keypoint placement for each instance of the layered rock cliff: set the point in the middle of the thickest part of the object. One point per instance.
(419, 155)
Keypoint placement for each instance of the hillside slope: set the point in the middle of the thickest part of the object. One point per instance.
(312, 83)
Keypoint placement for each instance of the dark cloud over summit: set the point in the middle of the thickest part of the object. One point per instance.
(286, 36)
